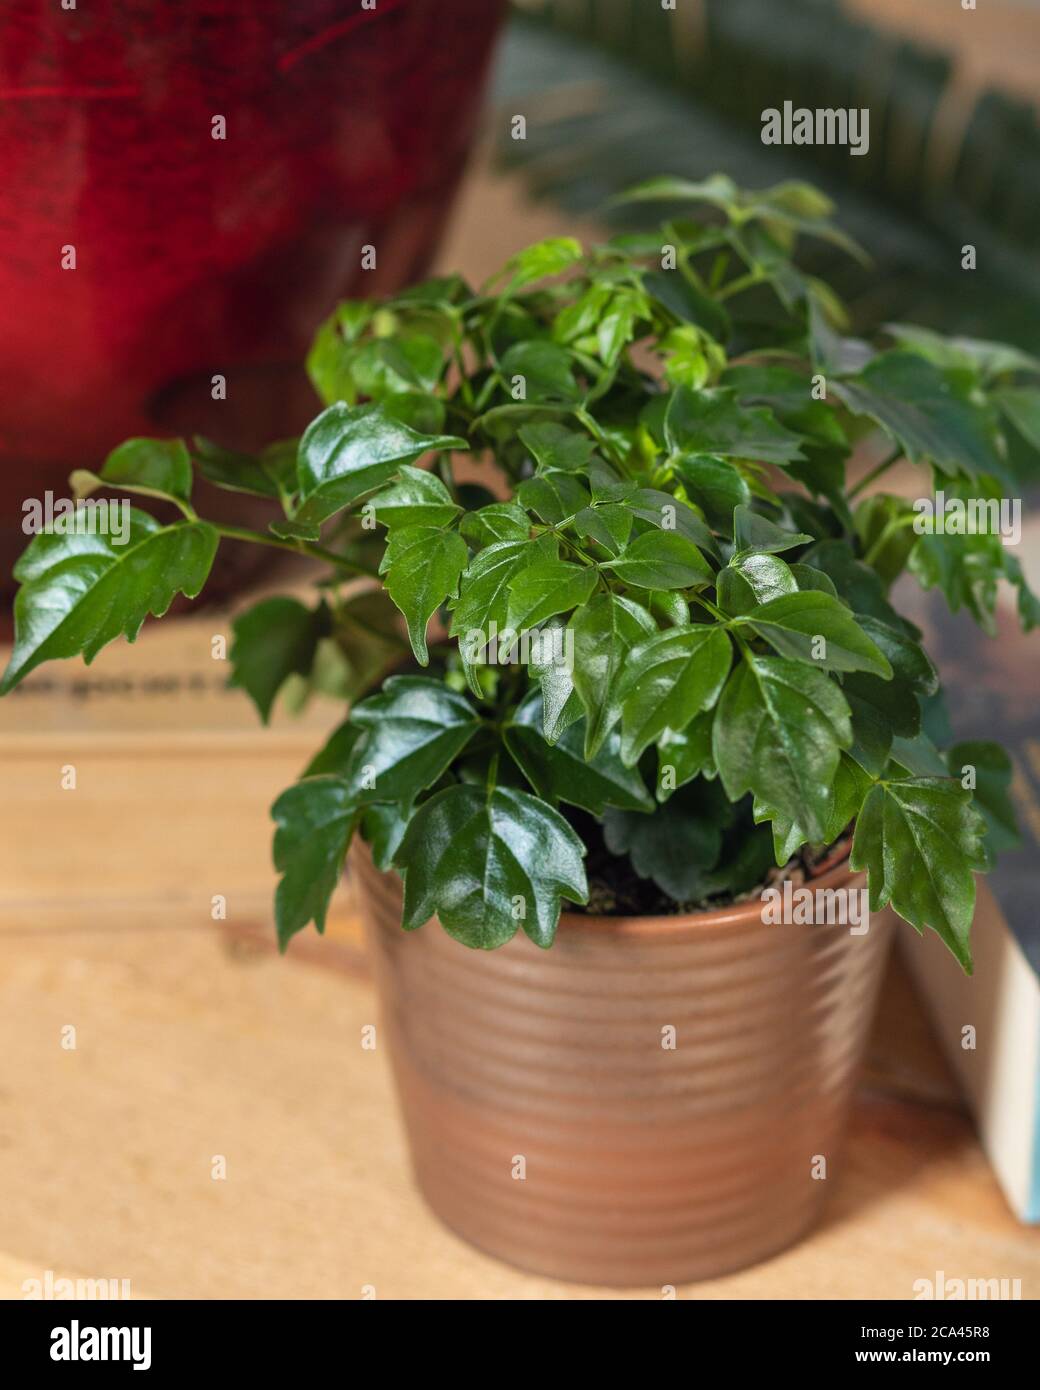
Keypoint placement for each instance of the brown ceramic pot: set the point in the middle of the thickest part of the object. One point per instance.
(642, 1164)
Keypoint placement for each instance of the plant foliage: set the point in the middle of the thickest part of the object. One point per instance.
(661, 609)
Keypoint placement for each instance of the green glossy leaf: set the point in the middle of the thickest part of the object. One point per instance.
(743, 867)
(883, 708)
(560, 771)
(669, 513)
(779, 730)
(617, 328)
(553, 670)
(422, 565)
(436, 291)
(884, 525)
(545, 371)
(988, 766)
(404, 364)
(315, 821)
(919, 842)
(579, 319)
(271, 473)
(967, 569)
(273, 640)
(661, 560)
(714, 422)
(687, 304)
(154, 467)
(417, 409)
(855, 583)
(670, 607)
(851, 785)
(330, 360)
(552, 256)
(816, 628)
(414, 729)
(716, 485)
(685, 355)
(719, 190)
(603, 633)
(667, 679)
(798, 207)
(484, 588)
(333, 758)
(499, 521)
(683, 756)
(963, 354)
(350, 450)
(1021, 405)
(830, 351)
(554, 496)
(81, 591)
(365, 646)
(676, 846)
(296, 530)
(417, 498)
(555, 446)
(928, 412)
(809, 579)
(781, 388)
(966, 557)
(608, 523)
(825, 449)
(383, 825)
(545, 588)
(1028, 602)
(754, 580)
(915, 757)
(485, 862)
(755, 534)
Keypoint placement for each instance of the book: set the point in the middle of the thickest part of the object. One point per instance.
(989, 1023)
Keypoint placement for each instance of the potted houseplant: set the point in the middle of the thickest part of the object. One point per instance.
(667, 688)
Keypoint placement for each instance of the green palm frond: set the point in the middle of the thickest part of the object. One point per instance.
(617, 90)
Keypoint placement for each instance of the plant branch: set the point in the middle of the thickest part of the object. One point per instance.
(711, 608)
(898, 523)
(741, 283)
(297, 547)
(876, 472)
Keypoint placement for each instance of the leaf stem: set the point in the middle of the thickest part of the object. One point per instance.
(741, 283)
(876, 472)
(686, 270)
(593, 427)
(896, 524)
(711, 608)
(298, 547)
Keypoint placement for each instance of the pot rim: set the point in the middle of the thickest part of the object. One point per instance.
(743, 914)
(736, 914)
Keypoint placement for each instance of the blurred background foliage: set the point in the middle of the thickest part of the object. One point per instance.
(615, 91)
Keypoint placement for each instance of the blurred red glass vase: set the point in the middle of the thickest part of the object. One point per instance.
(186, 189)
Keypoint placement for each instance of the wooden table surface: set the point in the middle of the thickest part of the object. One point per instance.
(191, 1044)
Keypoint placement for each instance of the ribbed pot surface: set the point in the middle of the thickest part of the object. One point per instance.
(551, 1122)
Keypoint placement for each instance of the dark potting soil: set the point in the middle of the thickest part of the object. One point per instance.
(616, 890)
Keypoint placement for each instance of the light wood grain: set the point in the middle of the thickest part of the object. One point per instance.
(186, 1050)
(174, 778)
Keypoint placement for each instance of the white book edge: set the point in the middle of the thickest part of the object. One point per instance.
(1000, 1076)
